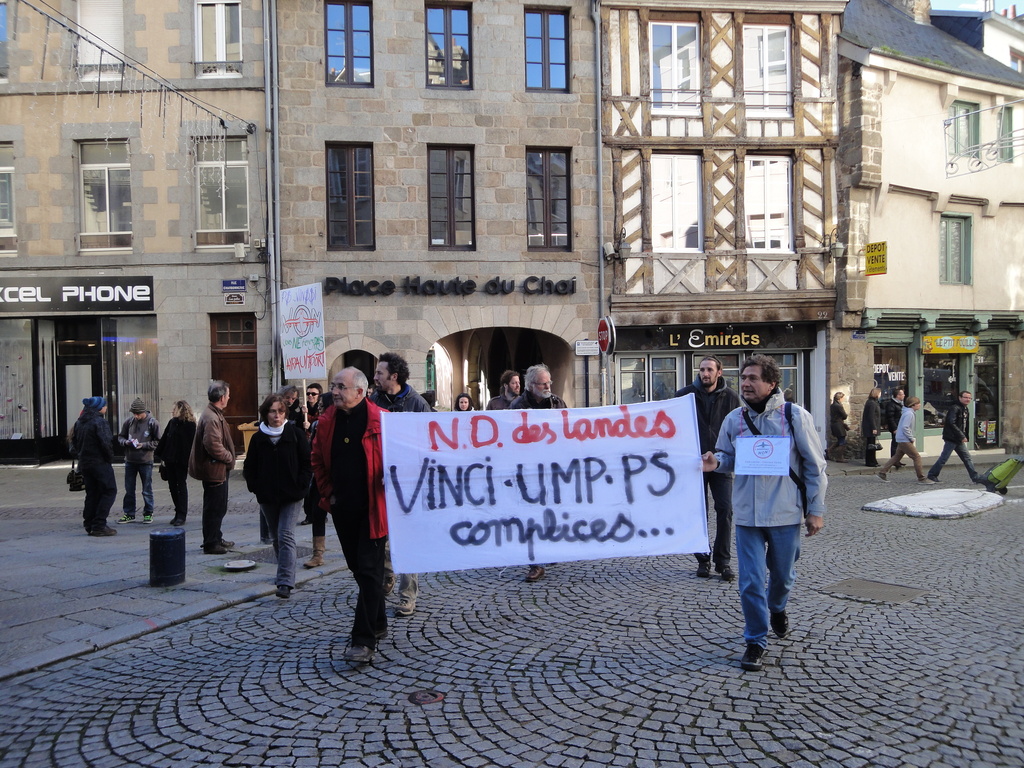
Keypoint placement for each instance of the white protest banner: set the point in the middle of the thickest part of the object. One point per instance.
(493, 488)
(302, 332)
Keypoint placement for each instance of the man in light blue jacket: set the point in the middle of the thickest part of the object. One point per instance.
(769, 509)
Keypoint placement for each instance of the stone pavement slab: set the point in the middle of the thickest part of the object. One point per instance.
(944, 503)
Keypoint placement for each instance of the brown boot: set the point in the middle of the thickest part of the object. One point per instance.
(319, 545)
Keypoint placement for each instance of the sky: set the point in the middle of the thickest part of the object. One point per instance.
(975, 5)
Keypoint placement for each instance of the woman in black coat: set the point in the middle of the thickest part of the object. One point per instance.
(871, 427)
(277, 470)
(837, 419)
(92, 443)
(173, 451)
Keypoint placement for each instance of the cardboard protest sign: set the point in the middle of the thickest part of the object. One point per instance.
(493, 488)
(302, 332)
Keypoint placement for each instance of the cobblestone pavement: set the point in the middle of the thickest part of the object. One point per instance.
(629, 662)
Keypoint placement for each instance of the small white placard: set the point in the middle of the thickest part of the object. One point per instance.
(762, 455)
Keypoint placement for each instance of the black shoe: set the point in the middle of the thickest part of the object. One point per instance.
(359, 654)
(704, 569)
(780, 624)
(305, 521)
(177, 522)
(283, 590)
(106, 530)
(751, 660)
(381, 633)
(934, 479)
(728, 574)
(216, 549)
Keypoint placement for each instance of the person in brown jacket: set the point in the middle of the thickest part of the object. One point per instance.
(211, 461)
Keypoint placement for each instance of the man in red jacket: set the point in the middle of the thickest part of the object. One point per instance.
(348, 465)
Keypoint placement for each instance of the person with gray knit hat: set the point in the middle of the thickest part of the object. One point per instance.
(140, 435)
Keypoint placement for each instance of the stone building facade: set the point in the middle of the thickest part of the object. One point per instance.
(438, 166)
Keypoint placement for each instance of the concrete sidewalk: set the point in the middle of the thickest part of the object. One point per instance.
(64, 594)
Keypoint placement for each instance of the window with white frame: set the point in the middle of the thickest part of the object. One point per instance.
(676, 202)
(100, 51)
(675, 67)
(223, 178)
(8, 240)
(106, 195)
(964, 129)
(647, 377)
(3, 41)
(767, 84)
(218, 38)
(955, 249)
(1006, 134)
(767, 202)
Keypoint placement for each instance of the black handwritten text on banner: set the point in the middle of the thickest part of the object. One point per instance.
(496, 488)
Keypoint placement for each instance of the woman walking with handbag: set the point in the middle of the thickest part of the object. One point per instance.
(870, 426)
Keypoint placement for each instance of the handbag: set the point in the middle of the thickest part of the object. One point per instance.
(75, 480)
(163, 472)
(875, 446)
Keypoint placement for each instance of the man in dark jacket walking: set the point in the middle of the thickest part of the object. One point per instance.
(714, 399)
(956, 430)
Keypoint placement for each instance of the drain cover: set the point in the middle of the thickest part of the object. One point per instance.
(876, 590)
(425, 697)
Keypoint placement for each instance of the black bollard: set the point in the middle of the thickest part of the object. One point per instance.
(167, 557)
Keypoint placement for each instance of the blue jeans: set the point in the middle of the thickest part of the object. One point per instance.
(774, 550)
(145, 471)
(281, 521)
(965, 456)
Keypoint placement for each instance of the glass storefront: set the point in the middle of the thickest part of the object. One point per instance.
(986, 397)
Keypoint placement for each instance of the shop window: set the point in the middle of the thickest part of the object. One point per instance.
(219, 39)
(986, 397)
(767, 86)
(730, 368)
(675, 68)
(890, 370)
(130, 343)
(350, 197)
(448, 47)
(955, 236)
(547, 51)
(451, 197)
(17, 409)
(676, 203)
(645, 378)
(766, 198)
(941, 388)
(106, 195)
(223, 179)
(349, 42)
(8, 238)
(547, 198)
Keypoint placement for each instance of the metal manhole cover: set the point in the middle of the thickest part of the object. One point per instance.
(866, 589)
(425, 697)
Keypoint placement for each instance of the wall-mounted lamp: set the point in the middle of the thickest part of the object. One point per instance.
(240, 251)
(624, 247)
(834, 249)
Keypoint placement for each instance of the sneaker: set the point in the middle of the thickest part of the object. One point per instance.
(780, 624)
(882, 477)
(536, 573)
(926, 481)
(389, 584)
(751, 660)
(227, 544)
(704, 569)
(359, 654)
(178, 522)
(934, 479)
(147, 519)
(106, 530)
(126, 519)
(728, 574)
(283, 590)
(405, 608)
(216, 549)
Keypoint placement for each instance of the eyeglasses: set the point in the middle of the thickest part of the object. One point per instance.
(342, 387)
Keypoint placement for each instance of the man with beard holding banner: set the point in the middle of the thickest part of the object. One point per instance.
(773, 449)
(348, 466)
